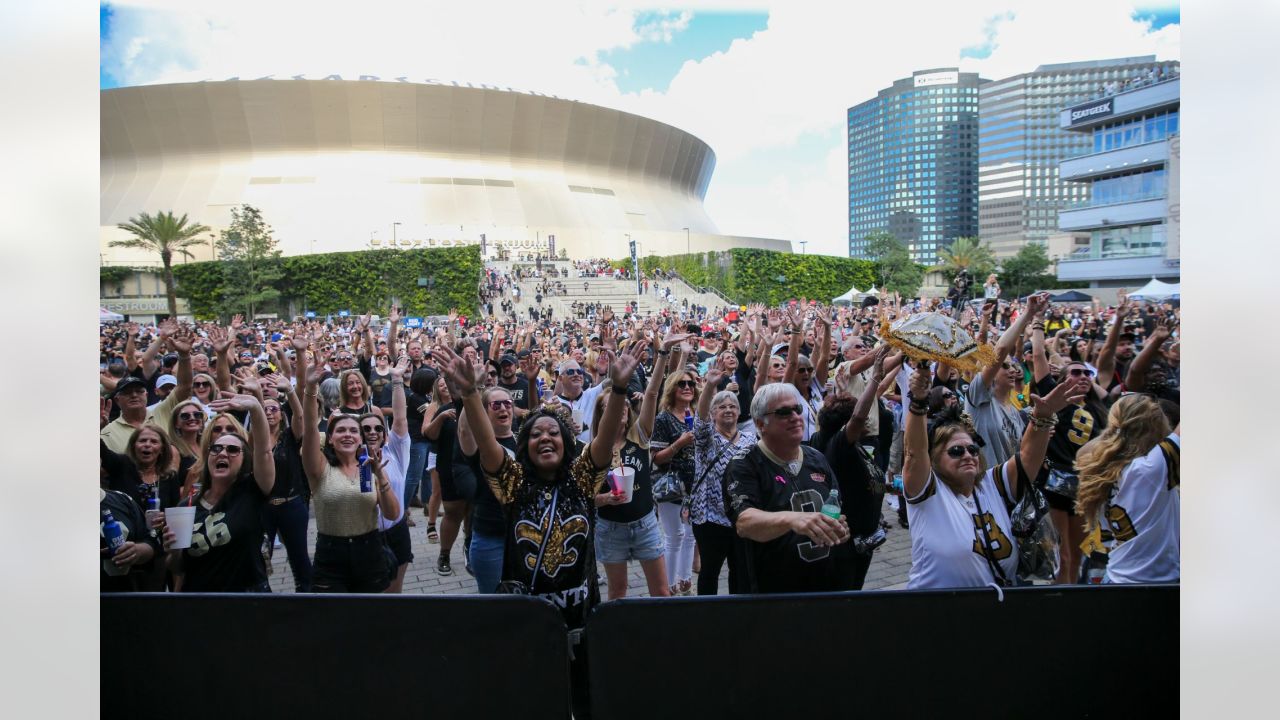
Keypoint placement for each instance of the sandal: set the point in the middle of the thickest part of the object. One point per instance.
(432, 535)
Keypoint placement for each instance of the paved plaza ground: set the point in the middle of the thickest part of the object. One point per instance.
(889, 566)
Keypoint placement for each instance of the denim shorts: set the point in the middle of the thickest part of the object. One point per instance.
(618, 542)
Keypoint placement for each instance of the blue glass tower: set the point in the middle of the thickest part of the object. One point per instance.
(913, 163)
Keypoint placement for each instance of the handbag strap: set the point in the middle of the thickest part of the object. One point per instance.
(707, 470)
(997, 572)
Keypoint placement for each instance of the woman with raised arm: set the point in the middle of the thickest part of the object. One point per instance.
(288, 509)
(236, 478)
(628, 529)
(1130, 479)
(349, 556)
(673, 452)
(717, 439)
(959, 508)
(547, 495)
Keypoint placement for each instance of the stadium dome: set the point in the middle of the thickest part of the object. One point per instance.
(339, 165)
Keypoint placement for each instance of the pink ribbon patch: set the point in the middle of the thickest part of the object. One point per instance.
(781, 480)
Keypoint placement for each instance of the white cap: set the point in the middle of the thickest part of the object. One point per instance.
(166, 380)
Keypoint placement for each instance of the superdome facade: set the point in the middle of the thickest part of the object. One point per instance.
(339, 165)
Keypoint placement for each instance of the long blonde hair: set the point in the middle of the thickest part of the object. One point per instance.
(1135, 424)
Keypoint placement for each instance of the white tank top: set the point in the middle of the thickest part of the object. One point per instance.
(947, 535)
(341, 509)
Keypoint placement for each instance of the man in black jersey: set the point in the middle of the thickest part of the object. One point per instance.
(509, 379)
(776, 491)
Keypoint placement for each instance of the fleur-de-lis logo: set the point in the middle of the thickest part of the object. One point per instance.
(550, 537)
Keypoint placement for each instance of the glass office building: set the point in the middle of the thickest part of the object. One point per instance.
(1130, 168)
(1021, 145)
(913, 160)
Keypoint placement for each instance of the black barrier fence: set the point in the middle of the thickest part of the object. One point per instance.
(192, 656)
(1037, 652)
(1040, 652)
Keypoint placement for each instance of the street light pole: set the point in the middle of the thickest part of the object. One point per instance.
(394, 225)
(802, 246)
(686, 240)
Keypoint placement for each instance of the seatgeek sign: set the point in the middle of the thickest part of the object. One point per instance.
(1090, 110)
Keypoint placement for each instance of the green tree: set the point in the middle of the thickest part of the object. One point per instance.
(894, 266)
(166, 236)
(251, 262)
(1026, 272)
(966, 253)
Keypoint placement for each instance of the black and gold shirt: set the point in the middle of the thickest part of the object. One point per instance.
(550, 534)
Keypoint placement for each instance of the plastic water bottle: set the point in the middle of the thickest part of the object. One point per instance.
(153, 514)
(688, 420)
(366, 472)
(113, 532)
(542, 389)
(831, 508)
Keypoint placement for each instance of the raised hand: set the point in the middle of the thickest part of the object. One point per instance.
(1162, 331)
(530, 369)
(393, 315)
(625, 364)
(714, 376)
(237, 321)
(1038, 303)
(455, 367)
(219, 339)
(774, 319)
(239, 402)
(300, 341)
(877, 367)
(672, 339)
(921, 383)
(182, 339)
(280, 382)
(1063, 394)
(315, 371)
(398, 370)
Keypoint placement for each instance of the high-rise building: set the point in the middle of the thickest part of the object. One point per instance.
(1131, 169)
(1021, 145)
(913, 170)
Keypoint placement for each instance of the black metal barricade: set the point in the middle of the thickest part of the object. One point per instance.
(331, 656)
(1040, 652)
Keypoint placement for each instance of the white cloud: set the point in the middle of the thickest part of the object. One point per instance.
(794, 79)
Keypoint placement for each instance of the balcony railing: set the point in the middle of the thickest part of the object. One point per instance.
(1104, 202)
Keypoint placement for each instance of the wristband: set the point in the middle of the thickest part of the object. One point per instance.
(664, 352)
(921, 410)
(619, 390)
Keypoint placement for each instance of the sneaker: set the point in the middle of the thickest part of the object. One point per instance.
(442, 566)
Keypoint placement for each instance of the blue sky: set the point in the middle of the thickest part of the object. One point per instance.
(104, 30)
(652, 65)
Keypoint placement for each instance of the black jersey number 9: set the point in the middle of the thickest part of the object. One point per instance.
(1001, 548)
(209, 534)
(1081, 427)
(809, 501)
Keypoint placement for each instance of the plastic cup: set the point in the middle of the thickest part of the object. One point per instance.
(624, 479)
(181, 520)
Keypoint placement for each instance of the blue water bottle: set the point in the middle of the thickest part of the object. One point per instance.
(688, 420)
(542, 389)
(113, 532)
(366, 472)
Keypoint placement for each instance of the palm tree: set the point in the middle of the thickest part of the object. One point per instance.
(166, 235)
(966, 253)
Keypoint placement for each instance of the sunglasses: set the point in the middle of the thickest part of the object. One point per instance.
(230, 450)
(804, 370)
(493, 373)
(958, 451)
(1079, 372)
(185, 416)
(573, 371)
(201, 384)
(948, 396)
(786, 411)
(687, 384)
(499, 404)
(271, 410)
(372, 429)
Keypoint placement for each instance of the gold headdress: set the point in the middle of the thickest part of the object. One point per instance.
(933, 336)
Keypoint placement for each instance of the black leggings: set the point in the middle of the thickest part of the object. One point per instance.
(715, 545)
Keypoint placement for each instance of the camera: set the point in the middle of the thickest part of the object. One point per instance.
(866, 544)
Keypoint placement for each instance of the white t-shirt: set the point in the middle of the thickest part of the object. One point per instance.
(396, 453)
(946, 538)
(1144, 516)
(585, 407)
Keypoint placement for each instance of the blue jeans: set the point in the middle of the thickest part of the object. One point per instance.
(486, 561)
(290, 521)
(418, 451)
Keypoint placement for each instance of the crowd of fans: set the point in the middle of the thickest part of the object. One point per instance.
(539, 447)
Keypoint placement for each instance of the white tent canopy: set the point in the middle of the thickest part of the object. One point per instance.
(106, 316)
(1158, 291)
(848, 298)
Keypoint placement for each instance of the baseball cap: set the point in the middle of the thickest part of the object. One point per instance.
(522, 354)
(128, 382)
(166, 380)
(508, 359)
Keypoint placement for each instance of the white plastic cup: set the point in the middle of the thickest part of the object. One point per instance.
(624, 478)
(181, 520)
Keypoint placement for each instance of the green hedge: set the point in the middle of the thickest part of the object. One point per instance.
(357, 281)
(764, 276)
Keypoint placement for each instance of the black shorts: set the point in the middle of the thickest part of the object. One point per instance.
(349, 564)
(460, 484)
(398, 540)
(1060, 502)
